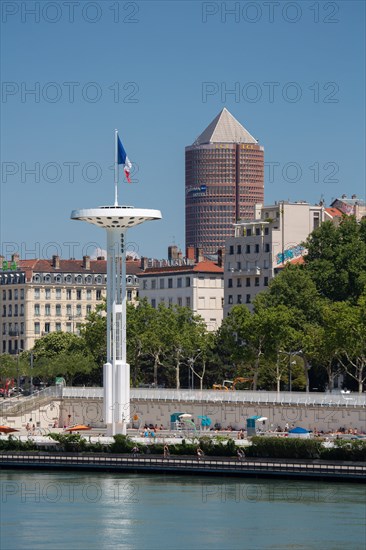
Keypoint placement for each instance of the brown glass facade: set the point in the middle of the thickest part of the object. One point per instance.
(223, 183)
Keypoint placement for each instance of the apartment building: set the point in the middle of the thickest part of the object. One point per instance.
(264, 245)
(43, 296)
(199, 286)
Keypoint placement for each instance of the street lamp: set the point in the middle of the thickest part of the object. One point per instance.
(191, 362)
(290, 354)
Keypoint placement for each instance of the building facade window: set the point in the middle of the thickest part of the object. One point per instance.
(230, 299)
(238, 249)
(265, 282)
(238, 282)
(179, 282)
(231, 249)
(37, 329)
(78, 310)
(162, 283)
(68, 309)
(88, 294)
(170, 283)
(58, 293)
(58, 327)
(256, 282)
(47, 293)
(47, 309)
(58, 309)
(248, 299)
(188, 301)
(247, 249)
(247, 282)
(79, 294)
(153, 302)
(188, 281)
(256, 248)
(99, 294)
(230, 283)
(47, 327)
(266, 247)
(179, 301)
(37, 293)
(88, 309)
(153, 284)
(238, 299)
(68, 293)
(22, 293)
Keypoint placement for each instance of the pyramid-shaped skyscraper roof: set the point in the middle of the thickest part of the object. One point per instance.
(225, 129)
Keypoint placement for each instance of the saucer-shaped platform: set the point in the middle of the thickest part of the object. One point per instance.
(115, 217)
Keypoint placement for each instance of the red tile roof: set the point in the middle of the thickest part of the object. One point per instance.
(202, 267)
(295, 261)
(133, 267)
(334, 212)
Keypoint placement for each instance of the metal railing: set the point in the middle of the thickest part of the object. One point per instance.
(186, 464)
(12, 404)
(239, 396)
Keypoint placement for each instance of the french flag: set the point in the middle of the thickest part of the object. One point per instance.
(123, 159)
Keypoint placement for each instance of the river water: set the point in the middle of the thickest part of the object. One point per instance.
(67, 511)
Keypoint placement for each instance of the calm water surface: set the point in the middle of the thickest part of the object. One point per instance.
(67, 511)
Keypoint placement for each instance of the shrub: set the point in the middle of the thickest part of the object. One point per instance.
(345, 450)
(284, 447)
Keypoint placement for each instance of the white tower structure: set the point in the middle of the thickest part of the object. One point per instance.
(116, 220)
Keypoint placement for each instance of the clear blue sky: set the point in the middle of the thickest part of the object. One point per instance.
(159, 55)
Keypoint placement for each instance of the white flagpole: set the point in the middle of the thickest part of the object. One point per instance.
(116, 168)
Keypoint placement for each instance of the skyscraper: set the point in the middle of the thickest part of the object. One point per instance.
(224, 180)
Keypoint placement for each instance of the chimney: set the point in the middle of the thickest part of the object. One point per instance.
(56, 262)
(180, 255)
(143, 263)
(220, 257)
(86, 262)
(100, 258)
(15, 257)
(190, 253)
(173, 252)
(199, 255)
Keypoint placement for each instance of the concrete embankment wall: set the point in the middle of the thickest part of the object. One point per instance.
(66, 411)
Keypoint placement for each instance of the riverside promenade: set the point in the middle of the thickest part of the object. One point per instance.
(223, 466)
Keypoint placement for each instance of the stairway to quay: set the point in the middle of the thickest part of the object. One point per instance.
(59, 407)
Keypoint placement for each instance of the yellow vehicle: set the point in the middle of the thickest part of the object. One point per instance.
(230, 384)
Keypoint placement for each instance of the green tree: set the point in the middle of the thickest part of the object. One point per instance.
(62, 354)
(336, 259)
(94, 334)
(348, 325)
